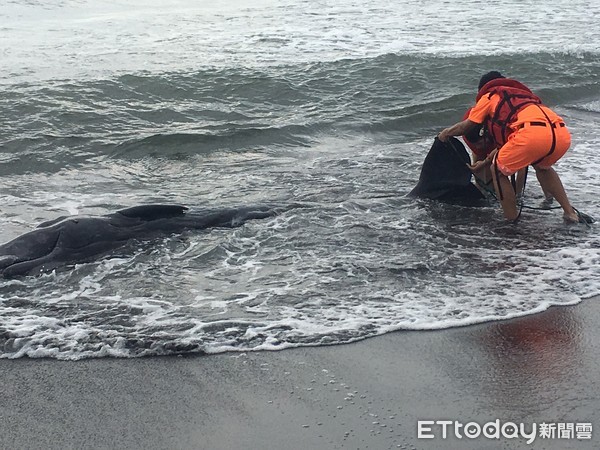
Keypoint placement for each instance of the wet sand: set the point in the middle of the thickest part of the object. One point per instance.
(366, 395)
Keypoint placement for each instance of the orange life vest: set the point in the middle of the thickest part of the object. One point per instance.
(514, 96)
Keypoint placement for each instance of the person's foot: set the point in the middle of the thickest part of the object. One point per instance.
(547, 203)
(571, 218)
(578, 217)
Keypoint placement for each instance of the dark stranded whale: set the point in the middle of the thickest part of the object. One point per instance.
(446, 177)
(72, 239)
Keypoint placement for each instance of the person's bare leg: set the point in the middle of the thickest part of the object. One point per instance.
(551, 184)
(548, 199)
(506, 195)
(547, 202)
(520, 183)
(483, 179)
(521, 177)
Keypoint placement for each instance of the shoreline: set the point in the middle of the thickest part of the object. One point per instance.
(367, 394)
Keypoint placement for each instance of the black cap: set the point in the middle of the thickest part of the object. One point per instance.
(489, 77)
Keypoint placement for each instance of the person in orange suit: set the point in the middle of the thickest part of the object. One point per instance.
(523, 132)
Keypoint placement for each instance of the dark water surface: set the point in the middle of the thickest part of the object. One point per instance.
(316, 110)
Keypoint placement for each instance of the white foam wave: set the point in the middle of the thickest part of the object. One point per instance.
(593, 106)
(273, 286)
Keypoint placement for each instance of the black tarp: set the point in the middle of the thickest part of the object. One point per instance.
(446, 177)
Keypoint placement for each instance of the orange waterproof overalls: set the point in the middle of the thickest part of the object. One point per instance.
(534, 135)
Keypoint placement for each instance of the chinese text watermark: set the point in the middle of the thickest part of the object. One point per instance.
(431, 429)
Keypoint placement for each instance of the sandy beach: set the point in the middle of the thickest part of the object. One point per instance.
(365, 395)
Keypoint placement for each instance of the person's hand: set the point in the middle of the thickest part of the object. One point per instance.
(479, 165)
(444, 135)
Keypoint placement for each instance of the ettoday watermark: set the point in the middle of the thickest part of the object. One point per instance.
(432, 429)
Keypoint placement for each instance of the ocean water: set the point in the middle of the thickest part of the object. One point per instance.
(328, 104)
